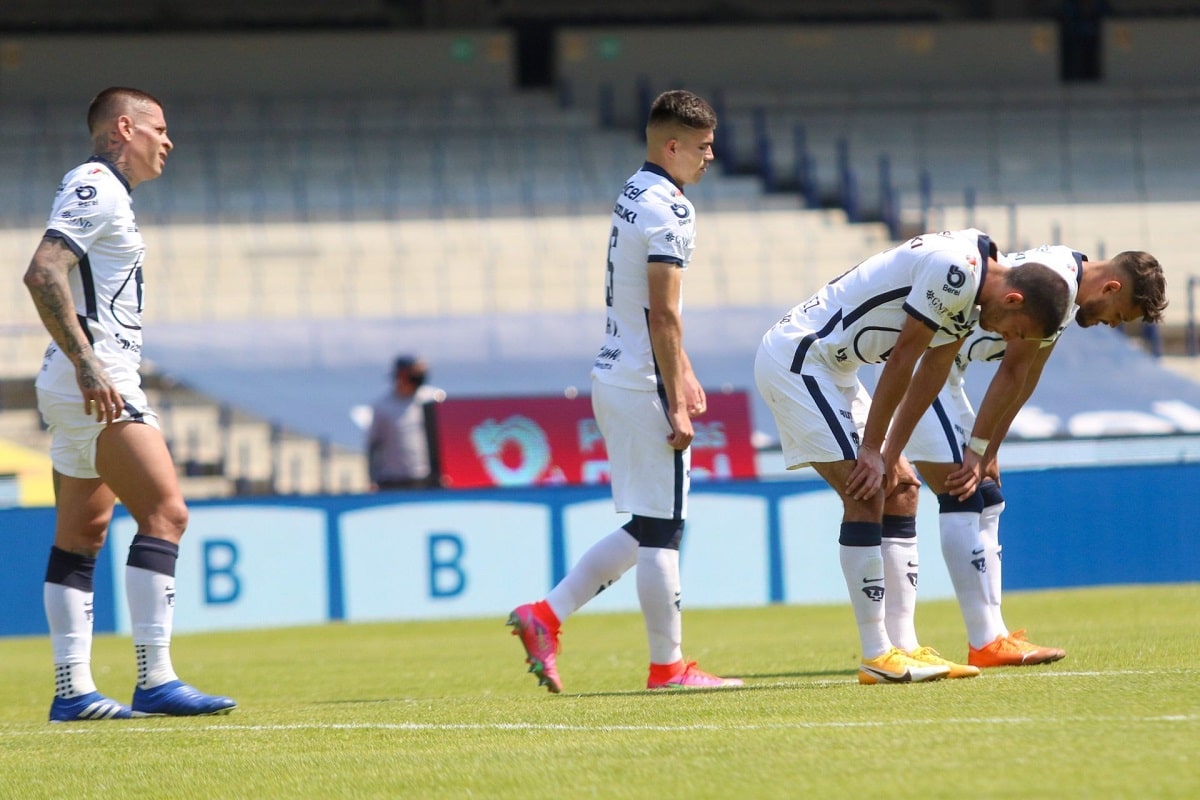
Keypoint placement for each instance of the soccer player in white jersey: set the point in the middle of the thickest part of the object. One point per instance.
(907, 308)
(86, 281)
(644, 394)
(1128, 287)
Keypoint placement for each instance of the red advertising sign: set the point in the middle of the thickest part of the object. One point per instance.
(538, 441)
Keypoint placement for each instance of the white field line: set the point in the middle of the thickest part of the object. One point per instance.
(124, 728)
(129, 727)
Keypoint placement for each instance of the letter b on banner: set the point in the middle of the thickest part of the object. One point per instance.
(221, 583)
(446, 577)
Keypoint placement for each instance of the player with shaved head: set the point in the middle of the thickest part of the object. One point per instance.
(85, 279)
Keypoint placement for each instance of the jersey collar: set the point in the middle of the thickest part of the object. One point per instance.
(113, 169)
(657, 170)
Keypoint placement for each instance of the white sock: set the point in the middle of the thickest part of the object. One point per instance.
(151, 598)
(597, 569)
(69, 616)
(989, 529)
(900, 603)
(862, 568)
(659, 595)
(964, 551)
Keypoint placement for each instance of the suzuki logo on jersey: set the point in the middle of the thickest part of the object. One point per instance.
(680, 210)
(85, 192)
(624, 214)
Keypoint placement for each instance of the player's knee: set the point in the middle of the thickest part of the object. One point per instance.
(169, 520)
(902, 501)
(656, 532)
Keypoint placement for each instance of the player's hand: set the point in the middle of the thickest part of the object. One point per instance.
(991, 469)
(963, 481)
(681, 429)
(866, 479)
(100, 396)
(899, 474)
(697, 400)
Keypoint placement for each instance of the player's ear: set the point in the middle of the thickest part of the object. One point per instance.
(1111, 286)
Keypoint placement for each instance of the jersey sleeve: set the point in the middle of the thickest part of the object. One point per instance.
(943, 289)
(83, 210)
(668, 230)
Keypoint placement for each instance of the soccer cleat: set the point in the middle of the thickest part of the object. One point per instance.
(178, 699)
(686, 675)
(897, 666)
(90, 706)
(927, 655)
(1013, 650)
(540, 640)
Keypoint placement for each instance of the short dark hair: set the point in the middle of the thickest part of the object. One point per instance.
(1145, 276)
(681, 107)
(112, 101)
(1045, 293)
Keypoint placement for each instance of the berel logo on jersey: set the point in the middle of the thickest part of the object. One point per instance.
(85, 192)
(680, 210)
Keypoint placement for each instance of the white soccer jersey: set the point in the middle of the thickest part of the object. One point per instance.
(985, 346)
(947, 423)
(856, 318)
(652, 222)
(93, 215)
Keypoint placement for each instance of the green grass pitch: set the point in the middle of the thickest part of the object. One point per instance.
(445, 709)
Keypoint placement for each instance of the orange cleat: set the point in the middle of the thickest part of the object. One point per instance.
(1013, 650)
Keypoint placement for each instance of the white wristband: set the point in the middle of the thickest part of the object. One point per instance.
(978, 445)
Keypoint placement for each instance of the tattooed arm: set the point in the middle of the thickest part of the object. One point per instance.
(46, 280)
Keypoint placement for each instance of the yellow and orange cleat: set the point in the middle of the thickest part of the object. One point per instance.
(927, 655)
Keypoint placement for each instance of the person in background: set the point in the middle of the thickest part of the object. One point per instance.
(85, 279)
(399, 451)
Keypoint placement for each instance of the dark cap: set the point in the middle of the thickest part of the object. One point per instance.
(404, 364)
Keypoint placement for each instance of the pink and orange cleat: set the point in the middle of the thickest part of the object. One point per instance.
(686, 675)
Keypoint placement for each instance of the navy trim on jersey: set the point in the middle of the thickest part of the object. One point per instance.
(1079, 259)
(51, 233)
(947, 429)
(657, 170)
(831, 419)
(926, 321)
(807, 341)
(677, 504)
(987, 249)
(89, 287)
(113, 169)
(877, 300)
(676, 260)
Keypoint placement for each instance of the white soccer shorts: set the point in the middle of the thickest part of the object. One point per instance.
(649, 477)
(939, 435)
(819, 420)
(73, 433)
